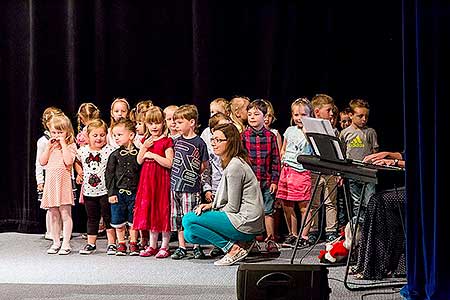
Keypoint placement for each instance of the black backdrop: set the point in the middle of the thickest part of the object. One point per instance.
(67, 52)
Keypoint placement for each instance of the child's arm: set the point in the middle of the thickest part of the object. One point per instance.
(276, 166)
(283, 149)
(204, 166)
(279, 142)
(166, 162)
(79, 170)
(39, 170)
(110, 179)
(68, 152)
(141, 155)
(43, 159)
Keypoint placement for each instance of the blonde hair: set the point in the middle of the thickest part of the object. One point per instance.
(355, 103)
(48, 114)
(155, 115)
(95, 124)
(224, 103)
(117, 100)
(236, 103)
(216, 118)
(62, 122)
(319, 100)
(141, 106)
(169, 108)
(188, 112)
(88, 111)
(302, 101)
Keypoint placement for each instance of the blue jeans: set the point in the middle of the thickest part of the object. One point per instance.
(122, 211)
(212, 227)
(355, 193)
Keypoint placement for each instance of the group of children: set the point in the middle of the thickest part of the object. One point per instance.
(143, 172)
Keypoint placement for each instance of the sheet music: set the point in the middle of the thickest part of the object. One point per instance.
(318, 126)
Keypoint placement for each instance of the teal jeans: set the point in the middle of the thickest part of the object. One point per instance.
(212, 227)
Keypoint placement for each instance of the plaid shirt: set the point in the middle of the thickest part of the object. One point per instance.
(263, 153)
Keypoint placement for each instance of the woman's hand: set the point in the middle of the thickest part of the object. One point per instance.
(202, 207)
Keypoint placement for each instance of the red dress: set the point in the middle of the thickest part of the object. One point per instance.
(152, 204)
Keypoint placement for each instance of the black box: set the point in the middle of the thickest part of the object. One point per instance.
(282, 281)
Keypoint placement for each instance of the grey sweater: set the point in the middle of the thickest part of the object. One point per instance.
(239, 196)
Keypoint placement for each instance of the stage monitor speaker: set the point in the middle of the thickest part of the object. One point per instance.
(282, 281)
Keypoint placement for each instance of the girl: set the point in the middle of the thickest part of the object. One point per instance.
(294, 186)
(171, 131)
(139, 114)
(58, 157)
(269, 118)
(120, 108)
(86, 113)
(94, 158)
(42, 142)
(152, 210)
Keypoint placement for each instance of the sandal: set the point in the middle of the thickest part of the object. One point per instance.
(64, 251)
(53, 249)
(162, 253)
(150, 251)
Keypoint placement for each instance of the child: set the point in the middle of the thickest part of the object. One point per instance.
(262, 148)
(360, 141)
(268, 121)
(139, 115)
(86, 113)
(344, 118)
(323, 108)
(171, 130)
(41, 144)
(238, 105)
(294, 187)
(122, 177)
(94, 158)
(190, 160)
(58, 157)
(152, 198)
(120, 108)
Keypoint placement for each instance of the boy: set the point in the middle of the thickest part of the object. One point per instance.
(344, 118)
(122, 178)
(360, 141)
(189, 161)
(264, 156)
(323, 109)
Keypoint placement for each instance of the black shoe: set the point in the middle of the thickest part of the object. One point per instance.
(198, 253)
(215, 252)
(88, 249)
(313, 237)
(180, 253)
(331, 236)
(289, 242)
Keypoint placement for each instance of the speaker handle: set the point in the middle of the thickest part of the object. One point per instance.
(275, 279)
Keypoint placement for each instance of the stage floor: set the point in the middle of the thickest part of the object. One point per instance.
(28, 272)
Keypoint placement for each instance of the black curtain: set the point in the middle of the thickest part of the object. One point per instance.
(66, 52)
(426, 31)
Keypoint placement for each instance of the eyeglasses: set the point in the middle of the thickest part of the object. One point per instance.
(217, 140)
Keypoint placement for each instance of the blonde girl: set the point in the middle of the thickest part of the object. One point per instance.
(152, 205)
(171, 131)
(42, 142)
(58, 157)
(120, 108)
(294, 185)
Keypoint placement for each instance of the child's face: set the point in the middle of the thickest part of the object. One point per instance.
(214, 108)
(298, 112)
(122, 136)
(344, 120)
(119, 110)
(56, 133)
(360, 116)
(184, 126)
(325, 112)
(155, 129)
(255, 118)
(268, 119)
(170, 122)
(140, 128)
(97, 138)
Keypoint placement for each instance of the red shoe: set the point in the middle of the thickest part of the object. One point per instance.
(148, 252)
(163, 253)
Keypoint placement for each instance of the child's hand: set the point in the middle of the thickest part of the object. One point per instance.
(113, 199)
(40, 187)
(277, 203)
(149, 155)
(79, 179)
(273, 188)
(148, 143)
(209, 197)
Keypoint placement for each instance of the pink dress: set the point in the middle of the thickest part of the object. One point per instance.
(152, 204)
(58, 180)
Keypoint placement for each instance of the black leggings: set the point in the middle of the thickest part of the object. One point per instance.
(97, 207)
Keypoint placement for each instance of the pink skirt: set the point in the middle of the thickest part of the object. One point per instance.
(294, 185)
